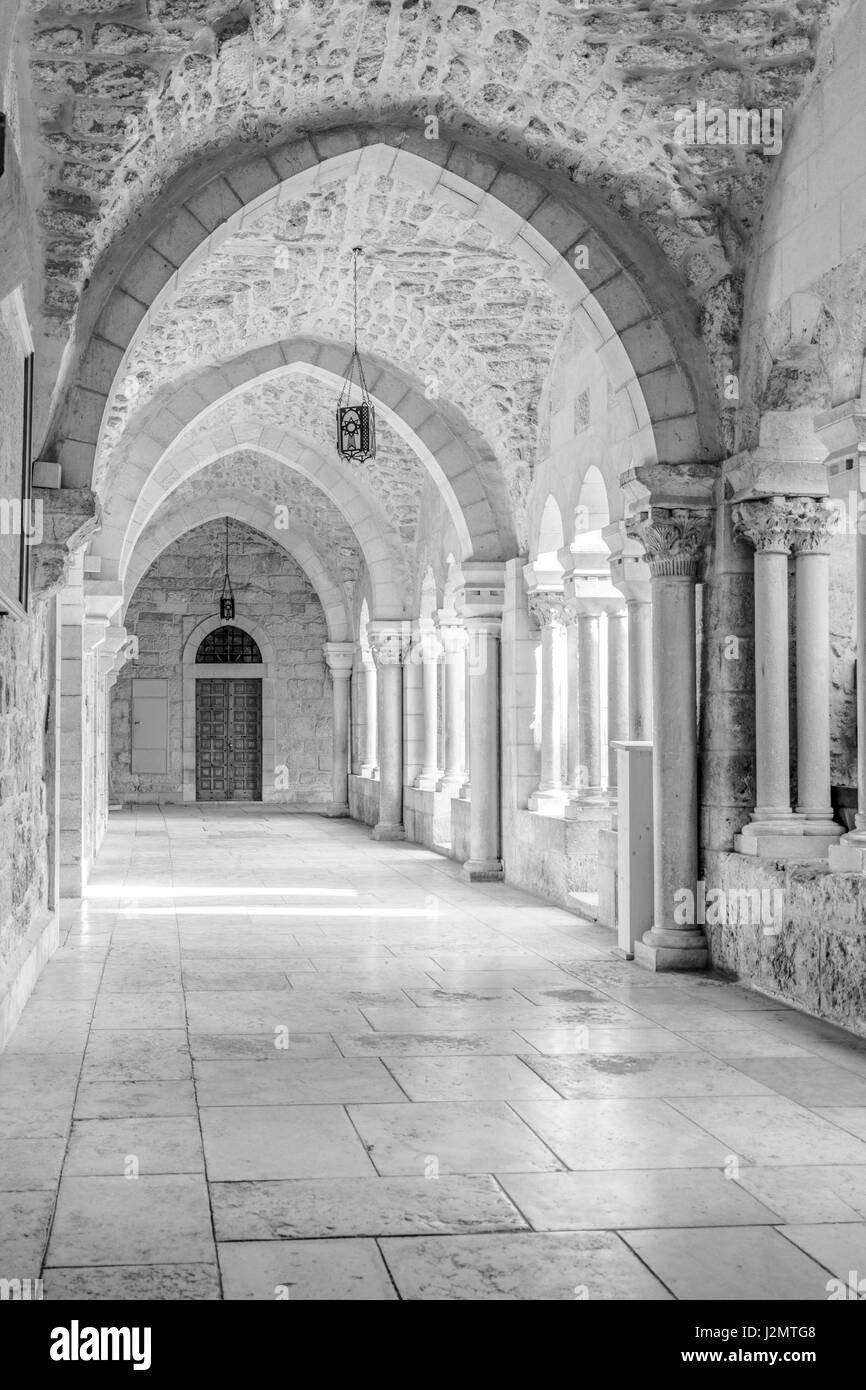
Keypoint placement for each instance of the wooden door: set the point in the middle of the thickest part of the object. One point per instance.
(228, 751)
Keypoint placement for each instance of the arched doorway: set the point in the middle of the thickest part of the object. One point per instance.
(228, 718)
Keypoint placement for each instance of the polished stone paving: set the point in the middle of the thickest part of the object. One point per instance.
(275, 1059)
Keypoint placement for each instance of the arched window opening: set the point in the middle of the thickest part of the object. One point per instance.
(228, 645)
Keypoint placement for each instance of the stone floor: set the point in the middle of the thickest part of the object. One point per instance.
(276, 1059)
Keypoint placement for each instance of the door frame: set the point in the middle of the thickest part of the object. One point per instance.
(224, 670)
(226, 682)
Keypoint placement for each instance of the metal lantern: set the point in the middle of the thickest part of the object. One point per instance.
(356, 418)
(227, 601)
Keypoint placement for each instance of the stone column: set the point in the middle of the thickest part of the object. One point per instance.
(388, 645)
(340, 657)
(452, 635)
(484, 862)
(640, 668)
(547, 608)
(589, 700)
(574, 766)
(370, 764)
(811, 545)
(768, 525)
(674, 539)
(431, 651)
(617, 688)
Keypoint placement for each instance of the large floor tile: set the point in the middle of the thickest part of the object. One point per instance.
(457, 1137)
(110, 1100)
(288, 1141)
(468, 1078)
(131, 1221)
(109, 1147)
(371, 1206)
(769, 1129)
(809, 1081)
(24, 1221)
(310, 1270)
(840, 1248)
(137, 1054)
(316, 1081)
(747, 1264)
(583, 1266)
(591, 1039)
(431, 1044)
(140, 1010)
(127, 1283)
(634, 1199)
(260, 1047)
(590, 1134)
(808, 1194)
(642, 1074)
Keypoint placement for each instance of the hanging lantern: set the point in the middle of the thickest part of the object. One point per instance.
(356, 418)
(227, 601)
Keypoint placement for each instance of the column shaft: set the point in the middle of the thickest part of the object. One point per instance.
(617, 687)
(813, 686)
(572, 640)
(589, 678)
(454, 643)
(640, 670)
(484, 861)
(370, 764)
(773, 784)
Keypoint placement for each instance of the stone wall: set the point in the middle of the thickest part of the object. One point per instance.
(809, 948)
(180, 589)
(24, 868)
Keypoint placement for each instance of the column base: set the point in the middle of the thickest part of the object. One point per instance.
(370, 770)
(794, 839)
(552, 802)
(483, 870)
(337, 809)
(427, 782)
(451, 785)
(661, 950)
(848, 855)
(384, 831)
(588, 807)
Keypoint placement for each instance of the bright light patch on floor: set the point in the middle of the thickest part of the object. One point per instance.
(276, 911)
(142, 890)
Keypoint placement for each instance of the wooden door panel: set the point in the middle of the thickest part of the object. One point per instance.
(228, 762)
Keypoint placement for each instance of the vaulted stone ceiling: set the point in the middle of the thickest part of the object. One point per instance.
(247, 475)
(127, 95)
(304, 407)
(440, 296)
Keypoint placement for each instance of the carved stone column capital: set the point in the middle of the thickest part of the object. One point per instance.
(768, 524)
(816, 522)
(388, 642)
(547, 608)
(674, 539)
